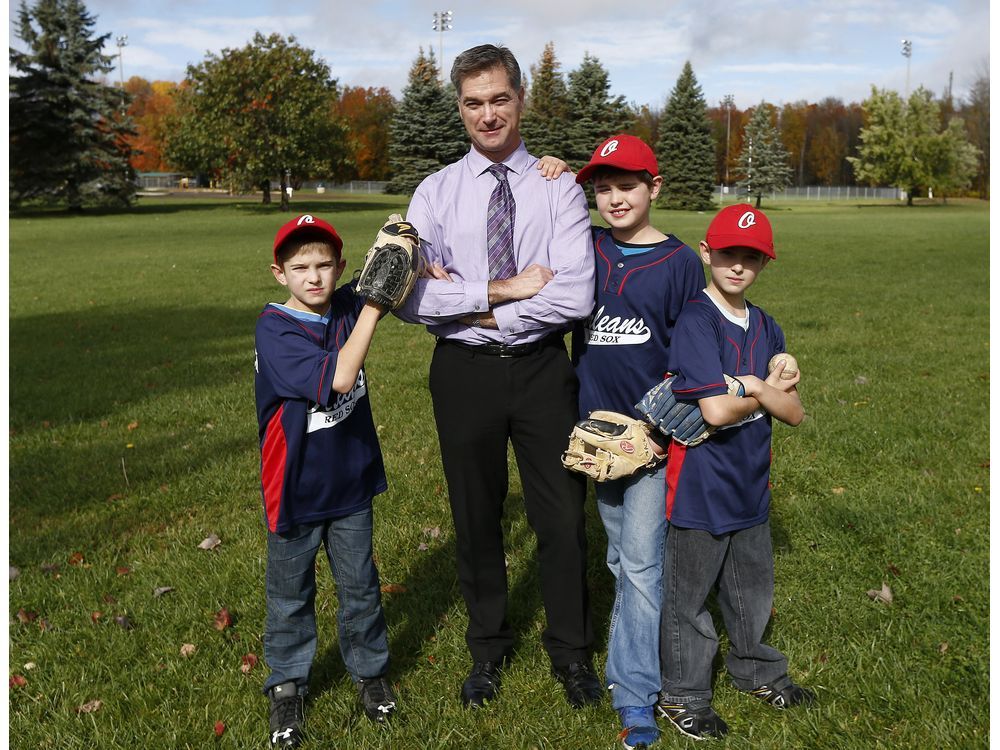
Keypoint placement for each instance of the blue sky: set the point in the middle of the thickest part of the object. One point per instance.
(774, 50)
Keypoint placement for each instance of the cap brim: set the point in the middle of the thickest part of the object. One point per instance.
(722, 241)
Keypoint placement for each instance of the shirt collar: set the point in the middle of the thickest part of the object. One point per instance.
(517, 162)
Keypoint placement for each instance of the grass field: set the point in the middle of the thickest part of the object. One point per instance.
(133, 438)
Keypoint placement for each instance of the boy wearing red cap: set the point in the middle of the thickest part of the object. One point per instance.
(321, 465)
(644, 277)
(718, 492)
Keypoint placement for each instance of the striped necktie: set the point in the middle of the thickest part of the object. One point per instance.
(500, 227)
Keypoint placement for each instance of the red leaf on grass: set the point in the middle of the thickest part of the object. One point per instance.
(220, 729)
(123, 570)
(25, 616)
(95, 616)
(18, 680)
(394, 588)
(249, 662)
(222, 619)
(89, 707)
(76, 558)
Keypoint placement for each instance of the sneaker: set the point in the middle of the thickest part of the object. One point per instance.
(788, 696)
(639, 729)
(287, 715)
(377, 698)
(697, 720)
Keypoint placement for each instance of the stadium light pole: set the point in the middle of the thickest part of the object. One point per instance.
(728, 99)
(907, 52)
(442, 23)
(122, 42)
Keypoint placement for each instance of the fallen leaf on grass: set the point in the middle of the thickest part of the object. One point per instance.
(210, 542)
(394, 588)
(222, 619)
(29, 666)
(422, 547)
(95, 616)
(116, 496)
(89, 707)
(18, 680)
(132, 426)
(108, 599)
(434, 532)
(943, 647)
(14, 573)
(43, 624)
(884, 596)
(188, 650)
(838, 490)
(123, 622)
(161, 590)
(76, 558)
(894, 570)
(220, 729)
(249, 662)
(24, 616)
(861, 380)
(122, 570)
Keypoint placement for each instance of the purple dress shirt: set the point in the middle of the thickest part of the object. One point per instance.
(551, 228)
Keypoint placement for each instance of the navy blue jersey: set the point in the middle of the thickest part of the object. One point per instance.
(320, 456)
(620, 351)
(721, 485)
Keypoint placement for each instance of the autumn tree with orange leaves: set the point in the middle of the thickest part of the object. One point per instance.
(366, 113)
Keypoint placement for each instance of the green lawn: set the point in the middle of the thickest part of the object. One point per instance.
(133, 438)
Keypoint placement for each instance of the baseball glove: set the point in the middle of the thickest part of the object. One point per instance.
(680, 420)
(392, 265)
(608, 446)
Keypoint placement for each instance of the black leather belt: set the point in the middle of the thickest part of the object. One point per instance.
(506, 350)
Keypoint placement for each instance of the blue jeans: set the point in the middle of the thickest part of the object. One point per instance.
(634, 513)
(742, 563)
(290, 626)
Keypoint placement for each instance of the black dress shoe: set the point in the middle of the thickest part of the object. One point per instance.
(581, 683)
(482, 684)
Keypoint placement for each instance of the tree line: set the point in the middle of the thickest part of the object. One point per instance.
(272, 110)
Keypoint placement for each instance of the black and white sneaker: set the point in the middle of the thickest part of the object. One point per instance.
(377, 698)
(697, 720)
(287, 715)
(786, 697)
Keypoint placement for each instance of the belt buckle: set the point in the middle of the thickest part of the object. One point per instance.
(505, 353)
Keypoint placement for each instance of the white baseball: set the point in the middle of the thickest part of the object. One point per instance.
(791, 366)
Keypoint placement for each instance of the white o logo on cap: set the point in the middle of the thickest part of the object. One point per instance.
(305, 219)
(609, 148)
(747, 220)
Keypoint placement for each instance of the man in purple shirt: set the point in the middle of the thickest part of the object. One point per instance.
(512, 264)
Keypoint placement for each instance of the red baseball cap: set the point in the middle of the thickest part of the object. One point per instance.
(307, 224)
(741, 225)
(621, 152)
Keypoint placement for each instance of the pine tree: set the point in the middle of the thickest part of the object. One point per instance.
(427, 132)
(764, 158)
(546, 114)
(685, 149)
(593, 114)
(67, 128)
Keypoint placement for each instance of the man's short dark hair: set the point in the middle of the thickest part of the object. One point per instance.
(485, 57)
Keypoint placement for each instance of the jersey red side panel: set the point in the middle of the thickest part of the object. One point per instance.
(675, 459)
(273, 457)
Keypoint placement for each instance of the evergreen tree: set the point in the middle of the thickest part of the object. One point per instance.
(427, 132)
(546, 115)
(764, 158)
(67, 128)
(593, 114)
(685, 149)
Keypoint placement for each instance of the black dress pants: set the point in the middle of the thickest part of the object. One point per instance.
(480, 402)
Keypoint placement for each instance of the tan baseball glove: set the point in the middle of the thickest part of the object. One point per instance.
(608, 445)
(392, 265)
